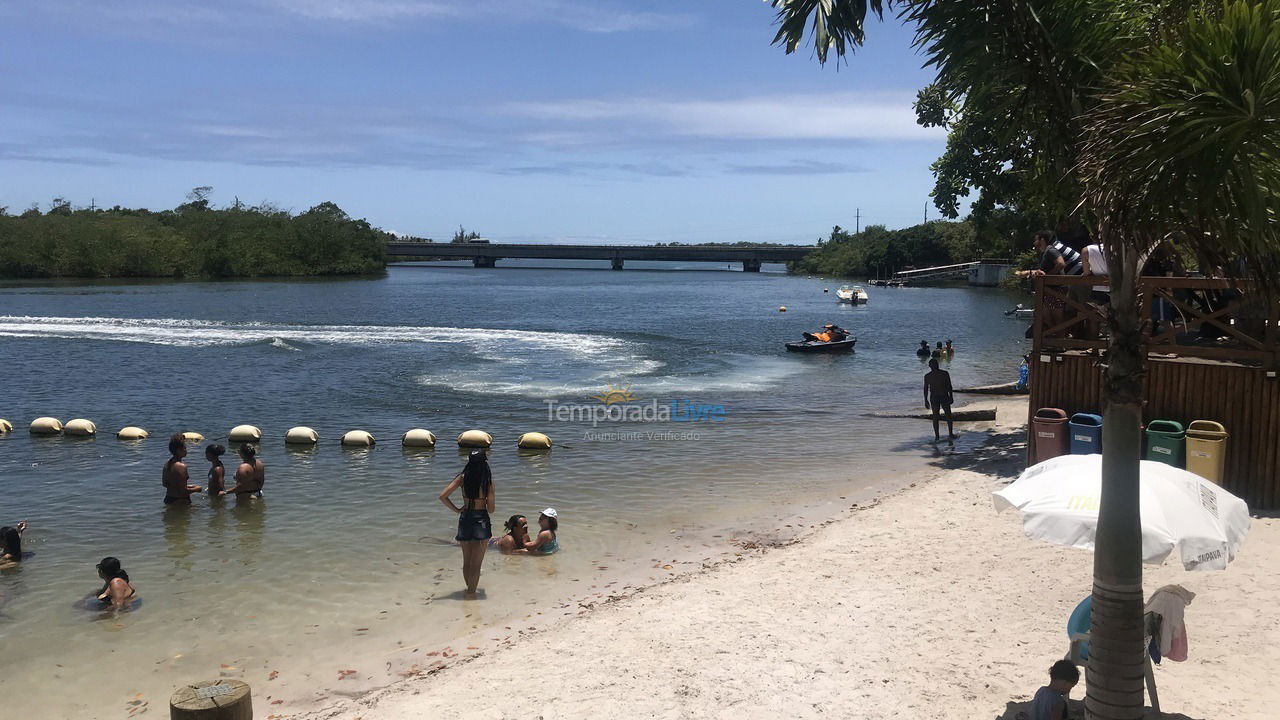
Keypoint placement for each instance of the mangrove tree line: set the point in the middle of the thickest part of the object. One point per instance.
(193, 240)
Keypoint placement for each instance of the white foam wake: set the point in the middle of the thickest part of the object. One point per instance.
(201, 333)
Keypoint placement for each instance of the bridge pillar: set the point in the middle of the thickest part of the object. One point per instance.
(617, 263)
(482, 261)
(750, 266)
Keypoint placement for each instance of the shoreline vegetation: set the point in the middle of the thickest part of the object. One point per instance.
(877, 251)
(197, 241)
(191, 241)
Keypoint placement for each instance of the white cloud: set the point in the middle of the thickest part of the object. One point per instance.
(367, 10)
(587, 15)
(596, 16)
(827, 116)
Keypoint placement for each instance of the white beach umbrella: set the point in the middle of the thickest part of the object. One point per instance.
(1059, 501)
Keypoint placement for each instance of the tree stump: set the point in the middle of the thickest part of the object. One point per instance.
(212, 700)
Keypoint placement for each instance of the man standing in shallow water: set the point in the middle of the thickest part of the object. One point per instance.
(937, 396)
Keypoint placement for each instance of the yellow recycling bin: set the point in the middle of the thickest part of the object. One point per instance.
(1207, 449)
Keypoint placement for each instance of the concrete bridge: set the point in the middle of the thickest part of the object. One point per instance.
(488, 254)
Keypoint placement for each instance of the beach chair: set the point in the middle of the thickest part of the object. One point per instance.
(1078, 652)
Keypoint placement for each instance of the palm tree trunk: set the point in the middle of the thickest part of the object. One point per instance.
(1116, 650)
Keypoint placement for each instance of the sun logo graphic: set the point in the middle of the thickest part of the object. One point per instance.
(615, 394)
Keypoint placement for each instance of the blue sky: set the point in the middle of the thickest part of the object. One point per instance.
(527, 120)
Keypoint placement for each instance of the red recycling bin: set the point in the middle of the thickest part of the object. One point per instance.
(1049, 433)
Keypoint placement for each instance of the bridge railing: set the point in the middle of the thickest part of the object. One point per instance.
(1212, 318)
(919, 272)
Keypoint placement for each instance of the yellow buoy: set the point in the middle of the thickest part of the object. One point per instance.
(358, 438)
(132, 433)
(534, 441)
(418, 437)
(475, 438)
(244, 434)
(46, 426)
(5, 426)
(301, 435)
(782, 308)
(80, 427)
(193, 437)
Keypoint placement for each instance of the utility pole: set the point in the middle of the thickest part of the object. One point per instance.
(926, 211)
(92, 205)
(857, 221)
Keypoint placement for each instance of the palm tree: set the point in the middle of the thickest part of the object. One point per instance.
(1185, 140)
(1151, 117)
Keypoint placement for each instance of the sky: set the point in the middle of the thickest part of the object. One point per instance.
(525, 120)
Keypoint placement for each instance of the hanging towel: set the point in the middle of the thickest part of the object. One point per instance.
(1170, 602)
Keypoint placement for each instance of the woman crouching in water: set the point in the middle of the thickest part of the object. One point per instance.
(474, 530)
(517, 528)
(116, 591)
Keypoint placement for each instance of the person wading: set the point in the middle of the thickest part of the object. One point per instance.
(474, 530)
(937, 396)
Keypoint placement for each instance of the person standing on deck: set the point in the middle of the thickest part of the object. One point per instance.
(1055, 259)
(937, 396)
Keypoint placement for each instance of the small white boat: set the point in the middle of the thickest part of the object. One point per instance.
(852, 294)
(1021, 312)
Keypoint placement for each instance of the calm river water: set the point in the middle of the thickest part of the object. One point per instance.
(344, 564)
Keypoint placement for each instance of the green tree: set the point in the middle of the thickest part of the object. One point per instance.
(1154, 118)
(463, 236)
(192, 240)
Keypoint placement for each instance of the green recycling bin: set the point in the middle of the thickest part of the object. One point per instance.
(1166, 442)
(1207, 449)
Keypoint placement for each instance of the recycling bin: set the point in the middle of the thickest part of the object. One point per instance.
(1085, 431)
(1049, 428)
(1207, 449)
(1166, 442)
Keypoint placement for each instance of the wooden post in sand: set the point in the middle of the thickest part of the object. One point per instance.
(212, 700)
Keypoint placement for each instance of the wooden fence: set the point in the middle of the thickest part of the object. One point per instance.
(1231, 379)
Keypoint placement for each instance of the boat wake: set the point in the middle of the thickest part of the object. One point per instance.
(207, 333)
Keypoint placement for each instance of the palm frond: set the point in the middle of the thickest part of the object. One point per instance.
(1186, 137)
(838, 25)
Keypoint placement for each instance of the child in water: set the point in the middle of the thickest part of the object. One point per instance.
(545, 543)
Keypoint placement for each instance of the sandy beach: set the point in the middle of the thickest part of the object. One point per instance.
(923, 603)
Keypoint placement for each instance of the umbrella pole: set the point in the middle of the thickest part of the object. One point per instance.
(1151, 687)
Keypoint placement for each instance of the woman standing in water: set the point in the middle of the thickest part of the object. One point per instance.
(177, 491)
(116, 592)
(250, 476)
(217, 472)
(474, 529)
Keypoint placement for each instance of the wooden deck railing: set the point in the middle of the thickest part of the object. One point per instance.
(1226, 320)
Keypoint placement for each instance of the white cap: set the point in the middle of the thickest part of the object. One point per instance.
(549, 512)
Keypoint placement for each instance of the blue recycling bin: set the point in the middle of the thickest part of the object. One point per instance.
(1085, 430)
